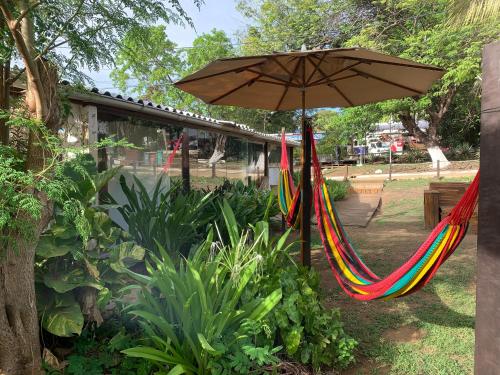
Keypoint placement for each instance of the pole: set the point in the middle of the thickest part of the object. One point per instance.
(305, 222)
(487, 355)
(186, 184)
(390, 151)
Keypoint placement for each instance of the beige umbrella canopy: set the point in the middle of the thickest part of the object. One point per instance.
(342, 77)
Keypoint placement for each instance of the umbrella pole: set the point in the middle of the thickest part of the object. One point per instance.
(305, 220)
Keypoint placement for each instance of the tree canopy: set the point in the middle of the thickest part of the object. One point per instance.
(149, 64)
(413, 29)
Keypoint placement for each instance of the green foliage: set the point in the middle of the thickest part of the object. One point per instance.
(338, 189)
(177, 220)
(462, 151)
(170, 218)
(75, 254)
(344, 126)
(97, 351)
(284, 25)
(310, 333)
(155, 62)
(249, 203)
(412, 156)
(90, 31)
(193, 315)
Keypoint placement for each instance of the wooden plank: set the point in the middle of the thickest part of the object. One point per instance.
(431, 208)
(487, 353)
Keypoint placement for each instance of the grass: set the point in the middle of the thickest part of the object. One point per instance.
(429, 332)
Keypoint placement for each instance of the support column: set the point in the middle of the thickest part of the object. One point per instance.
(487, 354)
(290, 160)
(92, 127)
(266, 160)
(186, 185)
(305, 220)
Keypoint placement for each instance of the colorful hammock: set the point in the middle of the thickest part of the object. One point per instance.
(289, 196)
(355, 278)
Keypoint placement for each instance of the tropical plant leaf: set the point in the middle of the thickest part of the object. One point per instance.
(63, 316)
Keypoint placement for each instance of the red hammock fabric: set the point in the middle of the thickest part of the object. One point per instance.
(171, 157)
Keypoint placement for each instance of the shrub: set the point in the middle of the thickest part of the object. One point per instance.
(79, 263)
(179, 220)
(413, 156)
(193, 315)
(174, 219)
(338, 189)
(463, 151)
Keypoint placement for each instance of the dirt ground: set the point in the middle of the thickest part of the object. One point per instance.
(429, 332)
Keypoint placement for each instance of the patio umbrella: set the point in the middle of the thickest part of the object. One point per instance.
(342, 77)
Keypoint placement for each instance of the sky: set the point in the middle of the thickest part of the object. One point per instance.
(220, 14)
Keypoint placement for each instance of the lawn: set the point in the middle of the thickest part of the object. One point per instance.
(430, 332)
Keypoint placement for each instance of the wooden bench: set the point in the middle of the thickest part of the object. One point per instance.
(440, 199)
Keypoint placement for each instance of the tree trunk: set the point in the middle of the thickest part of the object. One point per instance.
(19, 331)
(429, 139)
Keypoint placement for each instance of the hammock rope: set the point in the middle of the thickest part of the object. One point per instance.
(352, 274)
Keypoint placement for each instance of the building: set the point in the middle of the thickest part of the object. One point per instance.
(211, 150)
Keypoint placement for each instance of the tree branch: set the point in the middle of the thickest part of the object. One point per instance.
(49, 46)
(25, 12)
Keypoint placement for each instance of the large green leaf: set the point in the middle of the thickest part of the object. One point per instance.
(125, 255)
(63, 316)
(64, 281)
(49, 248)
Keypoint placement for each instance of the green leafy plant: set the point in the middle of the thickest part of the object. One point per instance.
(79, 262)
(310, 333)
(193, 315)
(462, 151)
(174, 219)
(338, 189)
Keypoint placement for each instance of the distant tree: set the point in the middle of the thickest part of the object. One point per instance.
(145, 69)
(343, 127)
(418, 30)
(285, 25)
(50, 39)
(413, 29)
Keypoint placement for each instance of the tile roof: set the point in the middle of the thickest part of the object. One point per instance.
(208, 122)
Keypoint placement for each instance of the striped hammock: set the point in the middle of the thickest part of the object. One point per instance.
(355, 278)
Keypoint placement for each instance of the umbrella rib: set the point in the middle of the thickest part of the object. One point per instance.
(327, 78)
(369, 75)
(333, 86)
(288, 86)
(250, 81)
(315, 68)
(330, 84)
(292, 75)
(268, 75)
(276, 83)
(363, 60)
(218, 74)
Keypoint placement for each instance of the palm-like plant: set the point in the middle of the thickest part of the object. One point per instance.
(474, 11)
(192, 313)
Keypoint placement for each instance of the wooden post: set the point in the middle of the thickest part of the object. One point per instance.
(290, 160)
(186, 185)
(431, 209)
(305, 220)
(266, 160)
(487, 354)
